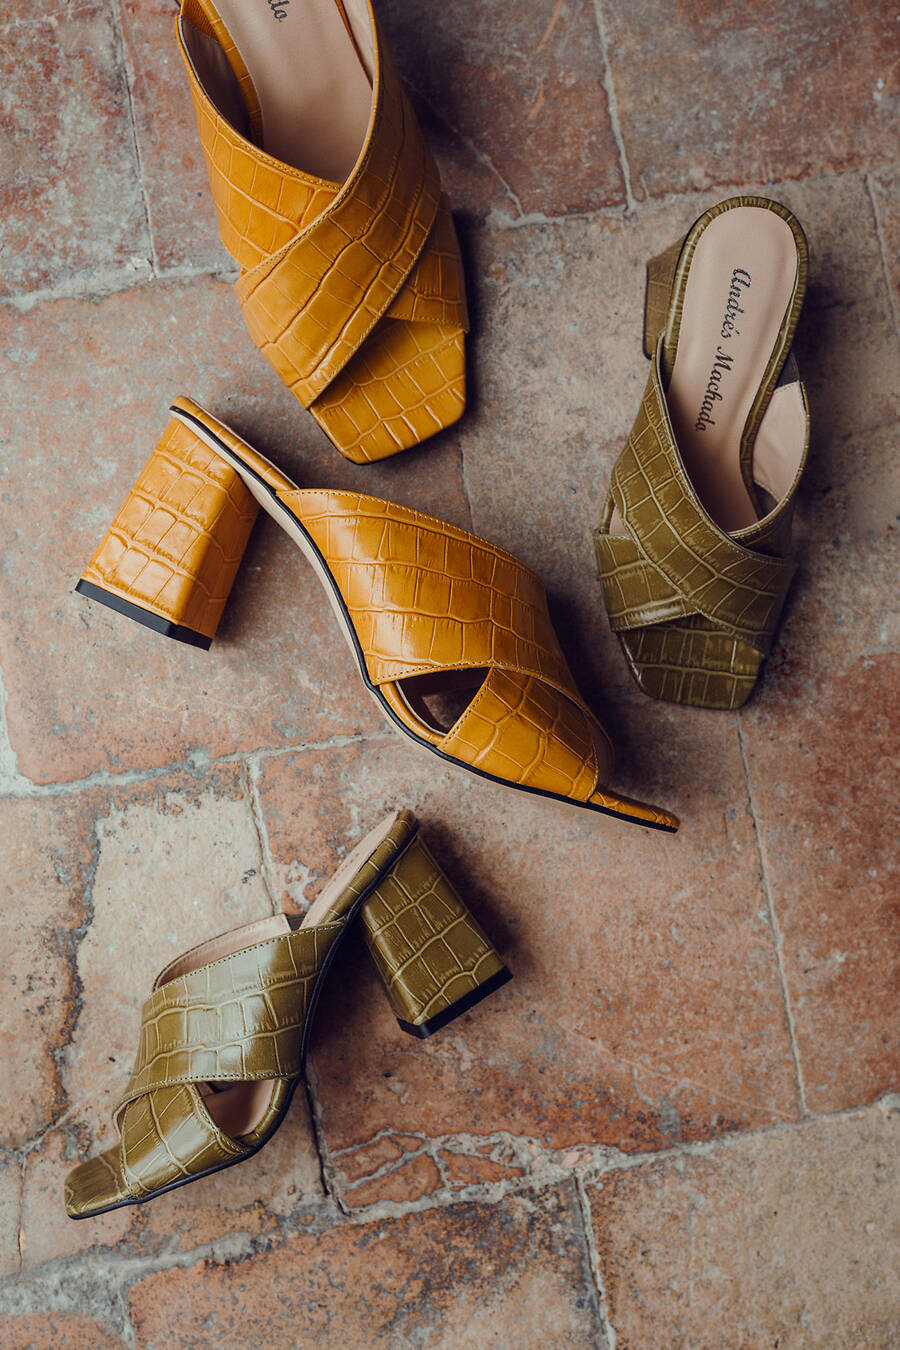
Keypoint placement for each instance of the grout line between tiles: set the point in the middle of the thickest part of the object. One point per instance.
(590, 1241)
(63, 1283)
(9, 763)
(102, 282)
(125, 61)
(20, 1216)
(250, 781)
(613, 105)
(777, 936)
(480, 155)
(883, 249)
(463, 478)
(13, 783)
(106, 281)
(327, 1171)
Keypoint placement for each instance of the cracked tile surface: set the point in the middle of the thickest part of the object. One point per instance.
(460, 1277)
(70, 187)
(675, 1126)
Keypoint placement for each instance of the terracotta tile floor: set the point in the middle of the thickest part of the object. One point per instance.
(676, 1127)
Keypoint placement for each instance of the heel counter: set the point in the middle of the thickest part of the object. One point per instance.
(658, 294)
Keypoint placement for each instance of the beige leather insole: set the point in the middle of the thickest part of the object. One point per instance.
(739, 287)
(314, 90)
(759, 243)
(240, 1108)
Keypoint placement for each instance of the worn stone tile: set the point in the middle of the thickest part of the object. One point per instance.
(415, 1178)
(559, 374)
(464, 1169)
(783, 1239)
(87, 688)
(512, 101)
(824, 810)
(884, 186)
(46, 1233)
(363, 1162)
(177, 861)
(722, 94)
(645, 1005)
(830, 690)
(145, 871)
(396, 1167)
(10, 1205)
(46, 869)
(70, 197)
(57, 1331)
(182, 216)
(453, 1279)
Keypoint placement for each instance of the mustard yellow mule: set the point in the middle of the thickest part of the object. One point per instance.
(451, 635)
(225, 1031)
(329, 201)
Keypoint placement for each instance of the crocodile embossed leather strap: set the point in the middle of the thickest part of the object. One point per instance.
(310, 306)
(236, 1019)
(675, 560)
(322, 264)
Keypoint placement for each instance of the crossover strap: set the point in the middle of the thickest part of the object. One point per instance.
(425, 596)
(233, 1020)
(685, 564)
(520, 729)
(322, 263)
(310, 306)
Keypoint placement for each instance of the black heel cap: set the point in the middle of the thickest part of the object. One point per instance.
(144, 616)
(422, 1030)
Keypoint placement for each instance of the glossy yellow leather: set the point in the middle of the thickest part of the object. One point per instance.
(235, 1018)
(426, 597)
(177, 541)
(354, 292)
(695, 608)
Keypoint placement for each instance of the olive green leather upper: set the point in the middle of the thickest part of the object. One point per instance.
(219, 1019)
(236, 1019)
(695, 608)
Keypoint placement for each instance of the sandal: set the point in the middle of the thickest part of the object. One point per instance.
(451, 635)
(225, 1032)
(693, 542)
(330, 203)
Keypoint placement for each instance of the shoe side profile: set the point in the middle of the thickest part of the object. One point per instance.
(694, 540)
(329, 201)
(451, 635)
(225, 1031)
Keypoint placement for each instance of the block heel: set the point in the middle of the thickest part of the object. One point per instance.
(170, 557)
(432, 957)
